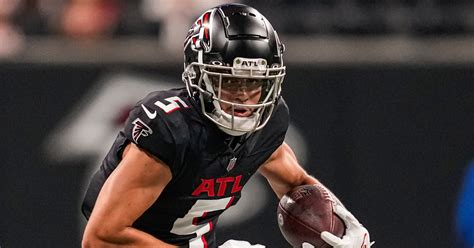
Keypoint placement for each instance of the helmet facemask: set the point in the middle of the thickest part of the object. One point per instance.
(238, 99)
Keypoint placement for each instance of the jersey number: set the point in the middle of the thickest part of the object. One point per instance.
(172, 105)
(187, 225)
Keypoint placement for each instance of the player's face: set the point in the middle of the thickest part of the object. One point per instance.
(239, 90)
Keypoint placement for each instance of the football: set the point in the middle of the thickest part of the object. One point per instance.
(306, 211)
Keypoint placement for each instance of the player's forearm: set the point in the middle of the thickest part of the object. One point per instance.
(281, 187)
(127, 237)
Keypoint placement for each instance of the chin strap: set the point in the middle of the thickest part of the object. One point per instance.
(241, 125)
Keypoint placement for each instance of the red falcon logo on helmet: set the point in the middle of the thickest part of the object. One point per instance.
(140, 129)
(199, 34)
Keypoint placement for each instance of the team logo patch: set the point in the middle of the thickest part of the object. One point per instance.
(140, 129)
(200, 33)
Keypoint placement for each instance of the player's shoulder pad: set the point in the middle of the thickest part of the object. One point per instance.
(282, 106)
(166, 109)
(281, 115)
(159, 125)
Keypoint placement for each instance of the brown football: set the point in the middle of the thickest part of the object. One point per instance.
(306, 211)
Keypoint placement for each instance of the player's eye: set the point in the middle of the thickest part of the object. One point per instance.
(253, 83)
(234, 84)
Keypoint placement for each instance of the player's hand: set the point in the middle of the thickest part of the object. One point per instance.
(356, 235)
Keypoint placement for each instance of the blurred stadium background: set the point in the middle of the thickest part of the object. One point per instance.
(381, 95)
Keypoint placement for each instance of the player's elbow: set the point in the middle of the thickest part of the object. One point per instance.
(97, 237)
(89, 240)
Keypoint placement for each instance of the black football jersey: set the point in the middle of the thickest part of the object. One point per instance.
(209, 168)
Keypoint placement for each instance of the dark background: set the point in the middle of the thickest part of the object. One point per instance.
(382, 93)
(391, 140)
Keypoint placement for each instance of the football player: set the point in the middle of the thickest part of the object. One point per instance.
(185, 154)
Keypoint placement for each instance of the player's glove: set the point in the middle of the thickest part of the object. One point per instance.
(356, 235)
(239, 244)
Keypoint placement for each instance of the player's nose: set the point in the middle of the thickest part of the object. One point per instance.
(242, 94)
